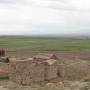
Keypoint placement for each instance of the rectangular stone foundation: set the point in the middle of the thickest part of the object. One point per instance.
(27, 72)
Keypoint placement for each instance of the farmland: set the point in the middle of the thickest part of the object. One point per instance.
(43, 43)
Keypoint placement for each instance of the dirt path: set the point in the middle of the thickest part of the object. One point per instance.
(1, 88)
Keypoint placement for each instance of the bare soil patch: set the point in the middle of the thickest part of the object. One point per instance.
(27, 52)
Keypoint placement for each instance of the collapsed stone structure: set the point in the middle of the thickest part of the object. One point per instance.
(43, 56)
(35, 70)
(29, 72)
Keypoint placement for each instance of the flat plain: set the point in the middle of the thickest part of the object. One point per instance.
(45, 43)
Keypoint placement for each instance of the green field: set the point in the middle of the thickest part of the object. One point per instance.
(39, 43)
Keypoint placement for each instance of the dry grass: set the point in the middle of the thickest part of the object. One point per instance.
(76, 69)
(67, 85)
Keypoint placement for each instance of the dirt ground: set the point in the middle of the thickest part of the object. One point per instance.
(1, 88)
(27, 52)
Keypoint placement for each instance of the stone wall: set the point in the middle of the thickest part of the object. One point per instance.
(28, 72)
(4, 69)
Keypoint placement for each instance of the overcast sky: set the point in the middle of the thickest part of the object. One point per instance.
(44, 17)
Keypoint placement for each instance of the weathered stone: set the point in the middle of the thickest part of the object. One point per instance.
(27, 72)
(51, 69)
(4, 59)
(4, 69)
(43, 56)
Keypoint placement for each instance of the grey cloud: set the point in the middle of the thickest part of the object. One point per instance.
(12, 1)
(60, 1)
(50, 16)
(61, 29)
(65, 8)
(7, 1)
(61, 5)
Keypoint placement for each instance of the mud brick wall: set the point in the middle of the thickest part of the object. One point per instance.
(4, 69)
(51, 69)
(61, 71)
(27, 72)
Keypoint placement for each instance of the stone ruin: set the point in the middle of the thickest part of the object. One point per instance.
(44, 56)
(4, 69)
(3, 57)
(37, 70)
(4, 63)
(28, 72)
(2, 53)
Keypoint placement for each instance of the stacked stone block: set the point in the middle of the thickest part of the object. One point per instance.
(28, 72)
